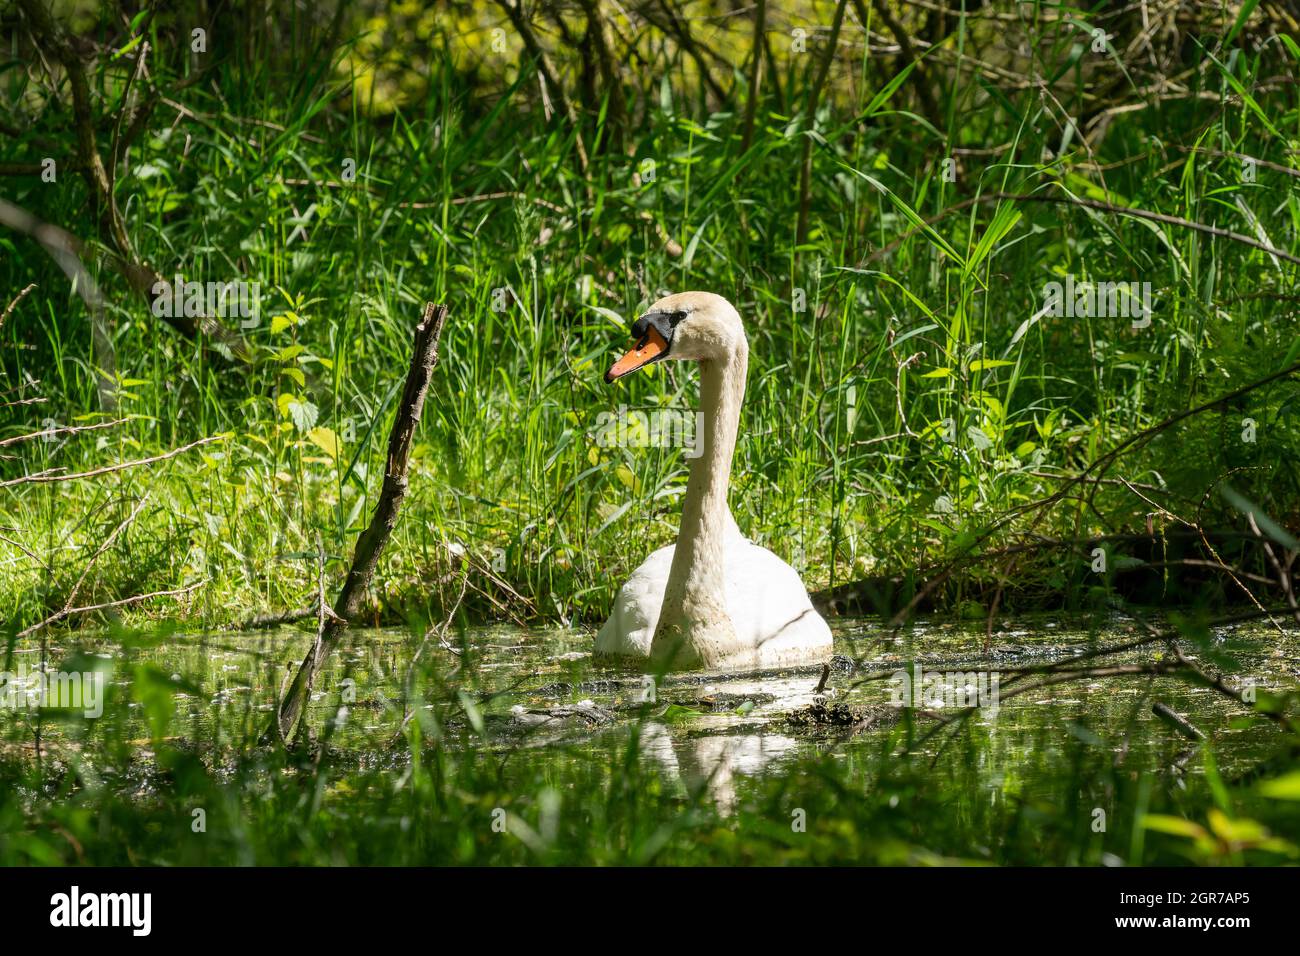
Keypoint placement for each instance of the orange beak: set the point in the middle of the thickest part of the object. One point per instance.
(646, 351)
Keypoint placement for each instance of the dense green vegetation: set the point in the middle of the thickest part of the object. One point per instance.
(886, 227)
(248, 184)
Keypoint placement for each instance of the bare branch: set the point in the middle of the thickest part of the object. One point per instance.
(14, 304)
(68, 430)
(371, 543)
(51, 475)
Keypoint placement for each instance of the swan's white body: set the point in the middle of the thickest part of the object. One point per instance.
(768, 605)
(715, 599)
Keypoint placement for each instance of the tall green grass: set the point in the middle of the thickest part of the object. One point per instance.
(250, 184)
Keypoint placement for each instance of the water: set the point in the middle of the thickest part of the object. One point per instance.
(534, 697)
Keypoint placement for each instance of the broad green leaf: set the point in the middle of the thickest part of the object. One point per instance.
(282, 321)
(303, 415)
(325, 439)
(978, 438)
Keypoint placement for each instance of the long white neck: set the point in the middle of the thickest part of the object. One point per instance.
(693, 621)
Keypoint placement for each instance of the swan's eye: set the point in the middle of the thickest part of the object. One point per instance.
(677, 317)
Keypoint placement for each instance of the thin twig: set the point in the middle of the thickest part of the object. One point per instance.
(48, 476)
(85, 572)
(14, 304)
(68, 430)
(137, 598)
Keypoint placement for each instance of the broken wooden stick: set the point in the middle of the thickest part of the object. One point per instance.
(1177, 721)
(261, 622)
(373, 540)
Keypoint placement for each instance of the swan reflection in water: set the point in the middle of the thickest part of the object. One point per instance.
(715, 762)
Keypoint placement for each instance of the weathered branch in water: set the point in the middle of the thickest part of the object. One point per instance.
(373, 540)
(261, 622)
(1177, 721)
(1220, 686)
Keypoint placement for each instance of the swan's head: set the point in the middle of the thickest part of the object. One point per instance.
(692, 326)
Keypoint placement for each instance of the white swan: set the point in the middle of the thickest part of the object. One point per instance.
(714, 600)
